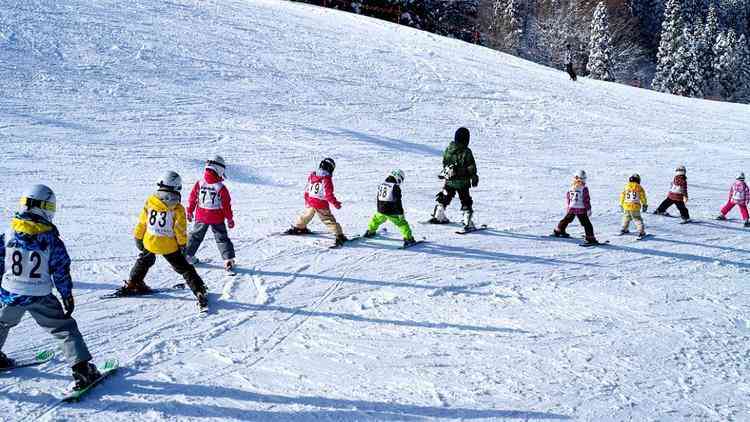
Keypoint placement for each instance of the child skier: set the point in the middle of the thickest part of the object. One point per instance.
(739, 194)
(211, 204)
(460, 174)
(162, 230)
(577, 204)
(391, 208)
(678, 195)
(632, 202)
(318, 195)
(33, 259)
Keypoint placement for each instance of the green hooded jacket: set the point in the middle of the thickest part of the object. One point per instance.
(461, 159)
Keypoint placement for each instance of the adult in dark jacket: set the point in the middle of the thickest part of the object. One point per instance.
(460, 175)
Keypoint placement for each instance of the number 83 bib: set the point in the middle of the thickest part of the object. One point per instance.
(160, 223)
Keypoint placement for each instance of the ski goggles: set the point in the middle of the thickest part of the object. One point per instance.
(38, 203)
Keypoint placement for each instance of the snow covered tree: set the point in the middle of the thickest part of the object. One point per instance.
(600, 56)
(687, 77)
(743, 56)
(671, 37)
(729, 69)
(706, 40)
(508, 23)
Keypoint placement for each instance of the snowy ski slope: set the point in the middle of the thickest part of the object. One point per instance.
(98, 98)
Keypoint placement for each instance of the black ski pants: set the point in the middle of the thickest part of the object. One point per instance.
(177, 260)
(445, 196)
(582, 218)
(684, 213)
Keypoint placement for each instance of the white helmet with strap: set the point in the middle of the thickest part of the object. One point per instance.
(170, 182)
(217, 164)
(39, 200)
(580, 174)
(397, 174)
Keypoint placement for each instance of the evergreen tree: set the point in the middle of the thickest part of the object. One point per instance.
(726, 65)
(707, 40)
(671, 36)
(687, 77)
(743, 56)
(600, 55)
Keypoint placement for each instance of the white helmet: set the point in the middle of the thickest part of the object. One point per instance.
(397, 174)
(741, 176)
(39, 200)
(217, 164)
(170, 182)
(580, 174)
(680, 170)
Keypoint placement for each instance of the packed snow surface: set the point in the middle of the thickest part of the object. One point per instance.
(98, 98)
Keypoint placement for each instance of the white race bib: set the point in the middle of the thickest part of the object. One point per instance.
(385, 192)
(676, 189)
(27, 267)
(632, 197)
(576, 198)
(160, 223)
(208, 196)
(316, 190)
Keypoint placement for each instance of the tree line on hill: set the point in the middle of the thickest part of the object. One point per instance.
(693, 48)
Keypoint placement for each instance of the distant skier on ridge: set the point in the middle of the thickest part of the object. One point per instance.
(460, 175)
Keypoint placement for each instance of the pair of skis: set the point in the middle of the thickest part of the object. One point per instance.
(108, 368)
(202, 310)
(350, 239)
(465, 230)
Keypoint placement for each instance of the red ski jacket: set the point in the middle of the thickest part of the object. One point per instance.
(210, 200)
(679, 189)
(319, 191)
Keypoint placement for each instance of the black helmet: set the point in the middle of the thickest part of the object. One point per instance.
(328, 165)
(635, 178)
(462, 136)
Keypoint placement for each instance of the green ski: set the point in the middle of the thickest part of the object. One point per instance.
(40, 358)
(109, 368)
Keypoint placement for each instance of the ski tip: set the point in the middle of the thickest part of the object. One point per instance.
(44, 355)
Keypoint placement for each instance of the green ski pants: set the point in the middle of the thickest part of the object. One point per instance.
(398, 220)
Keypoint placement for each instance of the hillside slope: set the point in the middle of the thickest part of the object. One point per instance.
(98, 98)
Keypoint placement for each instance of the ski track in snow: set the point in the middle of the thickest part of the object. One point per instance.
(99, 98)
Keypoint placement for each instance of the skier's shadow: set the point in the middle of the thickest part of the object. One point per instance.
(201, 400)
(219, 304)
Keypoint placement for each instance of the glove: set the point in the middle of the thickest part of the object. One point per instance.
(230, 224)
(337, 204)
(474, 180)
(644, 208)
(69, 305)
(139, 245)
(190, 217)
(685, 200)
(182, 251)
(588, 213)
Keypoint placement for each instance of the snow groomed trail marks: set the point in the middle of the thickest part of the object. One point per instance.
(506, 324)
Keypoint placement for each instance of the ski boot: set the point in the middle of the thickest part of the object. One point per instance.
(624, 232)
(369, 234)
(468, 223)
(84, 374)
(558, 233)
(133, 288)
(191, 259)
(747, 223)
(686, 220)
(297, 231)
(409, 242)
(340, 240)
(641, 235)
(229, 265)
(590, 240)
(5, 362)
(438, 215)
(202, 299)
(721, 217)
